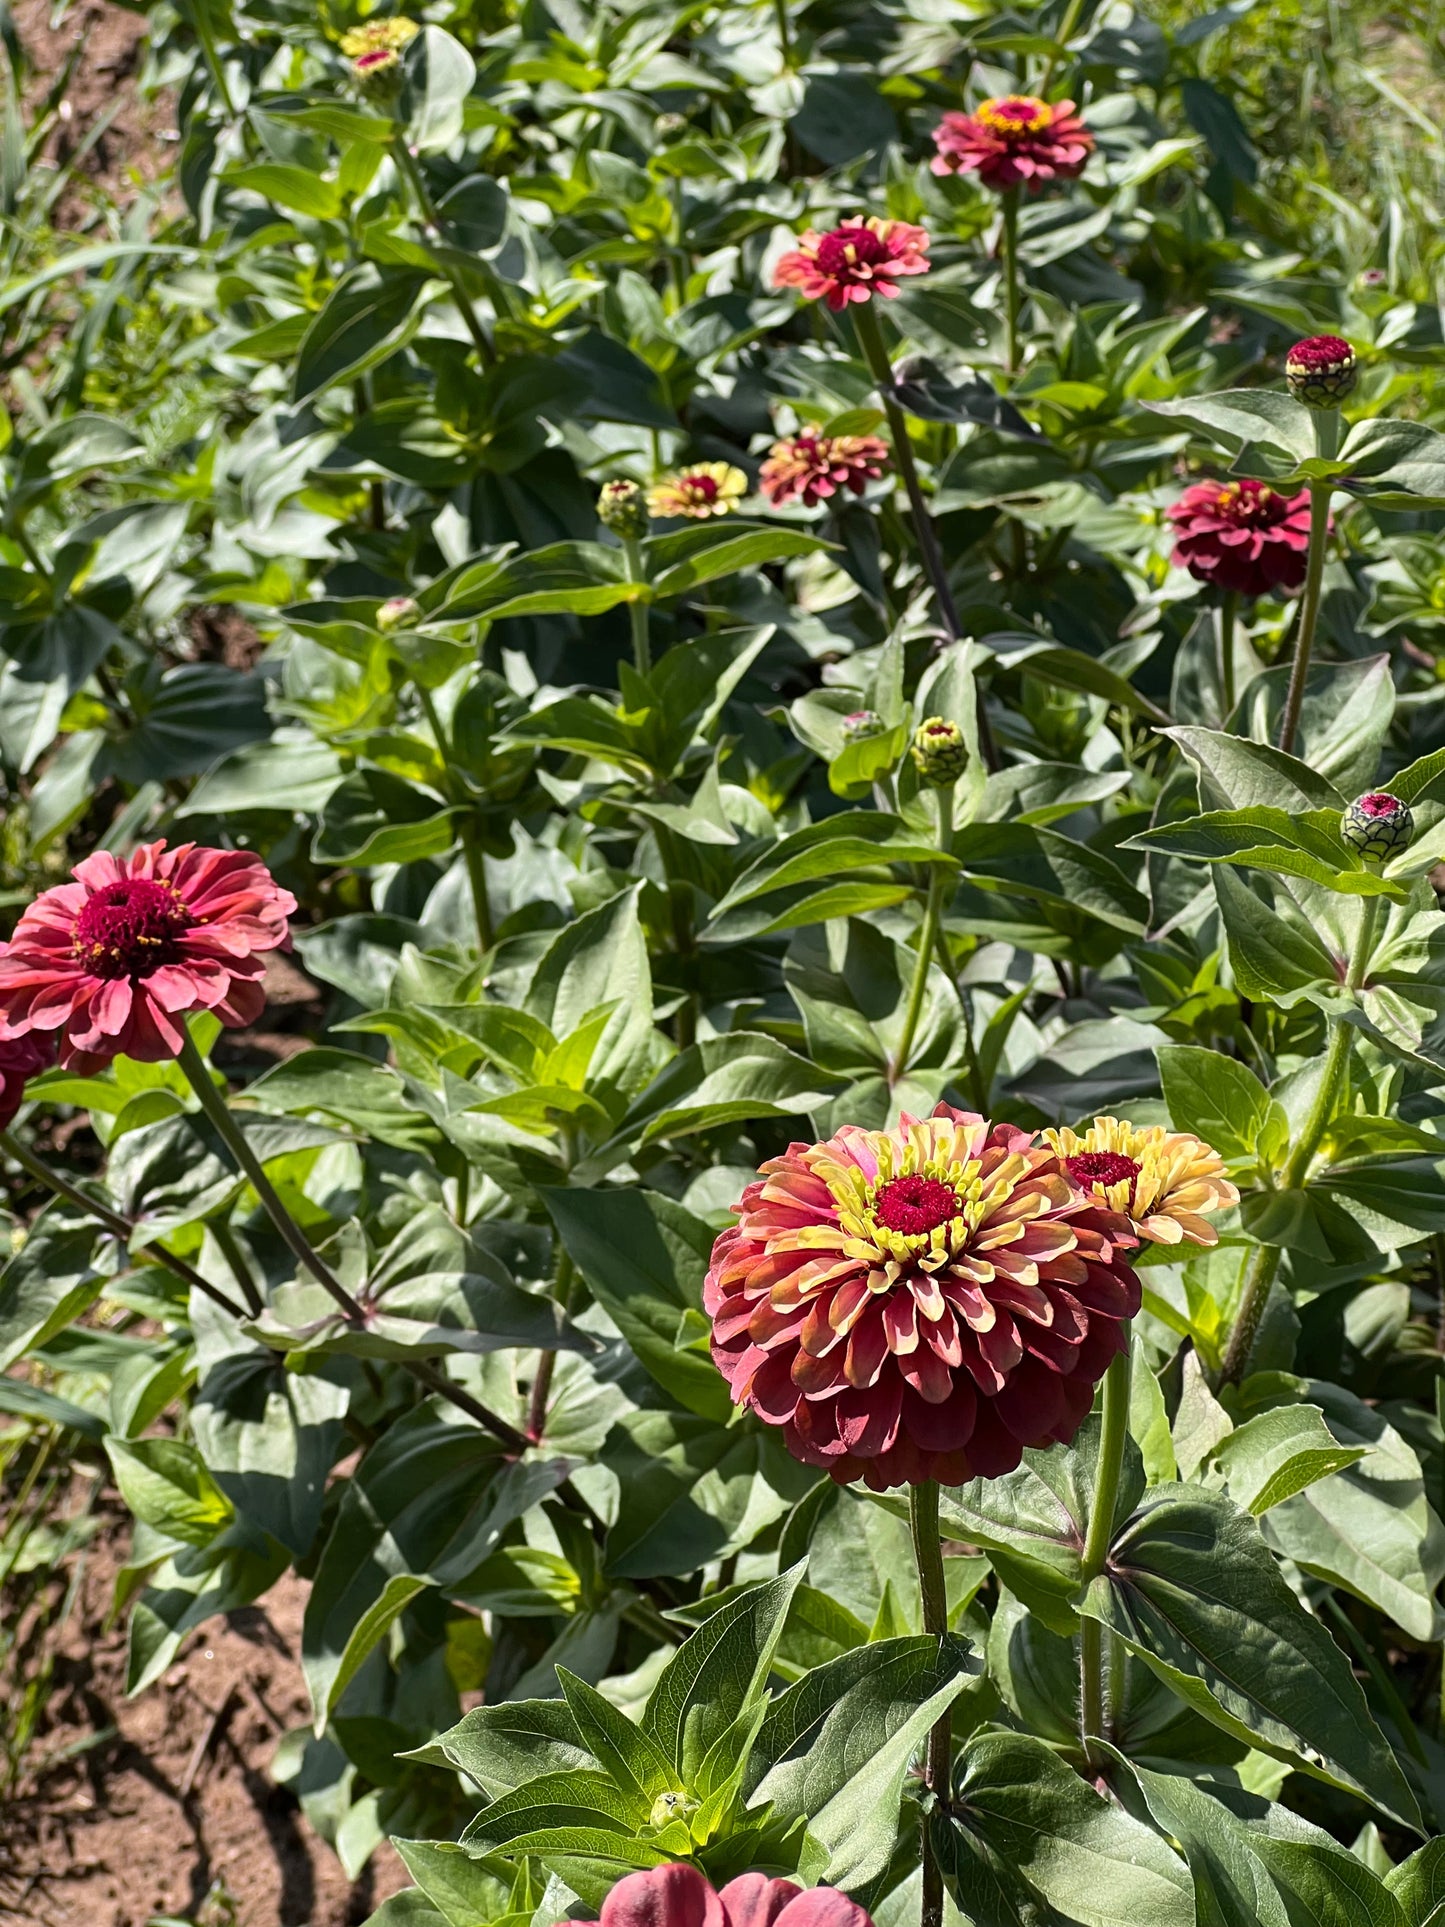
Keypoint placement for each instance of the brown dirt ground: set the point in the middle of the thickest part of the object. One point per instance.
(175, 1813)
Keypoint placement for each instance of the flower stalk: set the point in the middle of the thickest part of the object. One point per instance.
(933, 1592)
(1327, 441)
(638, 612)
(1228, 618)
(1011, 280)
(432, 219)
(928, 935)
(1093, 1708)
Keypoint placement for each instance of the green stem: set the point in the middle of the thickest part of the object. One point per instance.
(213, 59)
(1011, 280)
(1264, 1262)
(1062, 37)
(638, 611)
(927, 936)
(870, 339)
(119, 1227)
(1327, 438)
(565, 1276)
(1093, 1721)
(477, 878)
(28, 549)
(1228, 614)
(426, 207)
(928, 1555)
(785, 35)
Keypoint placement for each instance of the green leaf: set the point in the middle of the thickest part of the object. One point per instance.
(1215, 1097)
(49, 1283)
(369, 314)
(1419, 1885)
(1273, 956)
(1192, 1588)
(1397, 464)
(718, 1673)
(576, 578)
(1277, 1454)
(502, 1747)
(1235, 774)
(296, 189)
(440, 73)
(1237, 418)
(644, 1257)
(624, 1750)
(1029, 1841)
(167, 1486)
(372, 817)
(855, 840)
(685, 560)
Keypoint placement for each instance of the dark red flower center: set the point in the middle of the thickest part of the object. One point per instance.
(1101, 1167)
(1379, 803)
(851, 247)
(378, 57)
(701, 487)
(129, 928)
(916, 1204)
(1320, 351)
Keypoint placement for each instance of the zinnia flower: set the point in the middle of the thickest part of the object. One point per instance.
(808, 467)
(920, 1303)
(707, 488)
(377, 36)
(679, 1896)
(1016, 139)
(852, 262)
(21, 1058)
(1244, 536)
(1156, 1183)
(112, 960)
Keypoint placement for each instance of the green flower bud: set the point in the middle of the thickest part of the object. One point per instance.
(859, 723)
(622, 507)
(1320, 371)
(378, 73)
(939, 751)
(397, 612)
(1378, 825)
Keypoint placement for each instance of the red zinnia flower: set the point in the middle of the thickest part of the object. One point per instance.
(111, 960)
(1244, 536)
(1015, 139)
(679, 1896)
(854, 261)
(805, 468)
(920, 1303)
(21, 1058)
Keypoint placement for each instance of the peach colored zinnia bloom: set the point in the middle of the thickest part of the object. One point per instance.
(854, 261)
(920, 1303)
(1015, 140)
(110, 962)
(1161, 1184)
(808, 468)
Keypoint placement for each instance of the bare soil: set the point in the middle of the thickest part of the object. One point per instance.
(175, 1812)
(103, 47)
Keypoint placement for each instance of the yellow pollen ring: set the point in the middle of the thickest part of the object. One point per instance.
(994, 116)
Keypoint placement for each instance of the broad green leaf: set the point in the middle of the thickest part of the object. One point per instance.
(1419, 1885)
(296, 189)
(1236, 418)
(1215, 1097)
(628, 1754)
(501, 1747)
(166, 1484)
(691, 557)
(370, 313)
(1277, 1454)
(49, 1283)
(855, 840)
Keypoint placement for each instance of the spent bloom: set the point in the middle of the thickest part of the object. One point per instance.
(680, 1896)
(1159, 1184)
(1243, 536)
(110, 962)
(21, 1058)
(1014, 140)
(1321, 371)
(1378, 825)
(920, 1303)
(854, 261)
(705, 489)
(809, 467)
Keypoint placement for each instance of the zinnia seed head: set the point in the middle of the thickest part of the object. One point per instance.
(1378, 825)
(940, 753)
(129, 928)
(1321, 371)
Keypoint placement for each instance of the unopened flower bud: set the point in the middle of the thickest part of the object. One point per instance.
(396, 612)
(939, 752)
(1321, 371)
(378, 74)
(669, 127)
(622, 508)
(1378, 825)
(859, 723)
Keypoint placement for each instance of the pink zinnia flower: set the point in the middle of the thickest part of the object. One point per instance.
(680, 1896)
(1244, 536)
(1012, 141)
(854, 261)
(920, 1303)
(807, 468)
(21, 1058)
(112, 960)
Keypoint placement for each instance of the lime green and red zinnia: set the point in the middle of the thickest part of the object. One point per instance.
(108, 964)
(1014, 140)
(921, 1303)
(854, 261)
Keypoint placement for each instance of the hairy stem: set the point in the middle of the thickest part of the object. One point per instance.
(563, 1279)
(928, 1555)
(1093, 1721)
(938, 873)
(1228, 614)
(119, 1227)
(1011, 280)
(638, 613)
(1327, 437)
